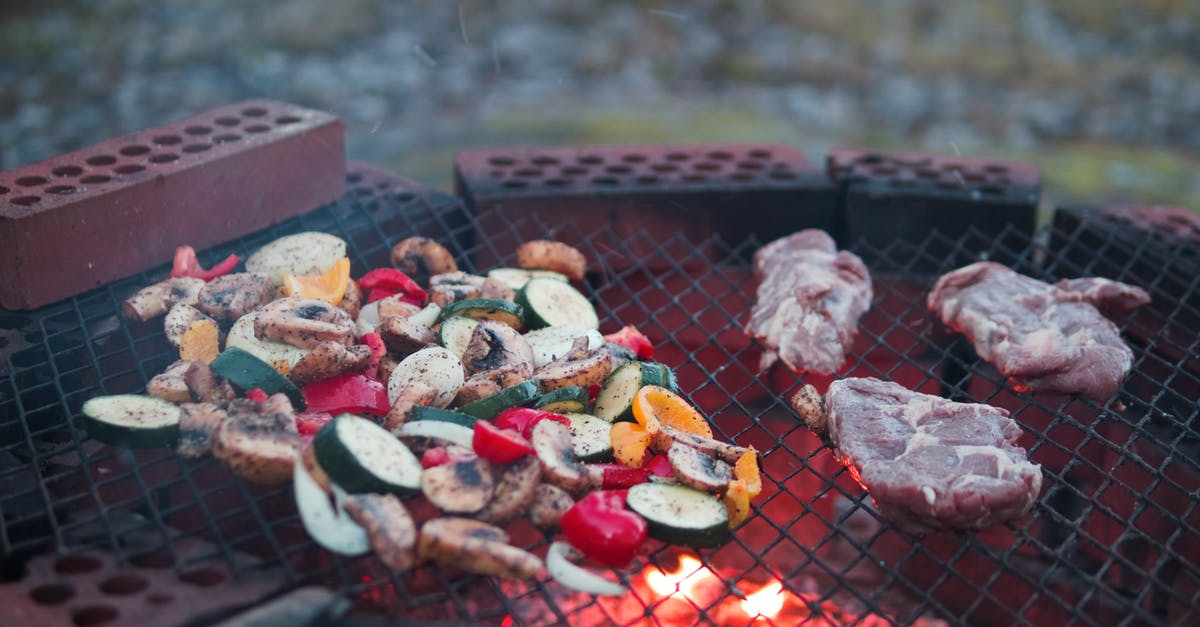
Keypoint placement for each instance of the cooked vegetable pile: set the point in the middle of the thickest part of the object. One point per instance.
(493, 397)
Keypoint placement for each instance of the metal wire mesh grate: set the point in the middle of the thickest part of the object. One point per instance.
(1114, 538)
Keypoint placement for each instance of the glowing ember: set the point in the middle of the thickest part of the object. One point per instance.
(766, 602)
(683, 581)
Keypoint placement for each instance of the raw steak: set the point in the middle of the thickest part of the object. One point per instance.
(1043, 337)
(928, 463)
(810, 297)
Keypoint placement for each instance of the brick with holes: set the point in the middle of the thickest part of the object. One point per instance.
(80, 220)
(895, 201)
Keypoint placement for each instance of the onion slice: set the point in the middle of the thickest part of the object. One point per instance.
(437, 429)
(329, 527)
(559, 566)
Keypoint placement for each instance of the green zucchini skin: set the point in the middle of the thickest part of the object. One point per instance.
(614, 401)
(444, 415)
(489, 407)
(571, 399)
(512, 314)
(549, 303)
(390, 467)
(131, 420)
(247, 372)
(590, 438)
(680, 515)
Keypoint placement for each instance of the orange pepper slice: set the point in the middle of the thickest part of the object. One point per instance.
(631, 439)
(737, 502)
(200, 342)
(329, 287)
(746, 470)
(670, 409)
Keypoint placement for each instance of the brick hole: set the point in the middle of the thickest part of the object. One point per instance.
(995, 168)
(974, 177)
(60, 189)
(782, 175)
(32, 181)
(51, 594)
(257, 128)
(225, 138)
(544, 160)
(870, 158)
(591, 159)
(129, 168)
(677, 156)
(284, 120)
(93, 179)
(203, 577)
(514, 184)
(556, 182)
(363, 191)
(720, 155)
(502, 161)
(884, 170)
(254, 112)
(647, 179)
(953, 166)
(383, 184)
(606, 181)
(163, 157)
(633, 158)
(528, 172)
(168, 140)
(67, 170)
(749, 165)
(760, 154)
(135, 150)
(198, 129)
(695, 178)
(76, 564)
(159, 598)
(3, 190)
(497, 174)
(707, 166)
(94, 615)
(227, 120)
(101, 160)
(743, 176)
(26, 200)
(928, 173)
(572, 170)
(618, 169)
(664, 167)
(123, 585)
(192, 149)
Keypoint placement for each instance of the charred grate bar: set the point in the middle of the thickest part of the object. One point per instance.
(1115, 537)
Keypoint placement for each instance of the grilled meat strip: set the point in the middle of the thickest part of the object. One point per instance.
(928, 463)
(810, 297)
(1049, 338)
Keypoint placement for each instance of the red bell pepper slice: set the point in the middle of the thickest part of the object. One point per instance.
(620, 476)
(310, 422)
(435, 456)
(378, 350)
(633, 339)
(347, 393)
(522, 419)
(186, 265)
(603, 530)
(499, 446)
(257, 395)
(383, 282)
(659, 466)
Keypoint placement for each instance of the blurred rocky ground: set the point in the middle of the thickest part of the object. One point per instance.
(1104, 95)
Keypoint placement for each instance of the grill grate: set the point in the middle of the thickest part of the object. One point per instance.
(1115, 537)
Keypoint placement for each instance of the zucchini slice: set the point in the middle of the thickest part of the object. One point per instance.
(502, 311)
(550, 343)
(590, 438)
(361, 456)
(489, 407)
(330, 527)
(551, 303)
(571, 399)
(455, 334)
(666, 376)
(614, 401)
(278, 355)
(438, 430)
(516, 278)
(444, 415)
(247, 372)
(678, 514)
(132, 420)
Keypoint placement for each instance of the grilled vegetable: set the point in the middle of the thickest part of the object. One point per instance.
(549, 505)
(614, 401)
(179, 318)
(558, 564)
(551, 343)
(670, 409)
(131, 420)
(680, 515)
(615, 476)
(737, 502)
(494, 345)
(549, 303)
(389, 527)
(516, 486)
(232, 296)
(201, 341)
(499, 446)
(603, 530)
(247, 372)
(434, 366)
(186, 265)
(489, 407)
(404, 337)
(452, 287)
(259, 441)
(155, 300)
(330, 360)
(278, 355)
(807, 402)
(197, 424)
(171, 384)
(579, 367)
(459, 487)
(421, 258)
(635, 340)
(438, 430)
(455, 334)
(361, 457)
(724, 451)
(329, 527)
(304, 322)
(475, 547)
(570, 399)
(428, 316)
(516, 278)
(522, 419)
(501, 311)
(485, 383)
(590, 438)
(698, 470)
(552, 444)
(347, 393)
(297, 255)
(207, 386)
(329, 286)
(554, 256)
(416, 396)
(631, 440)
(384, 282)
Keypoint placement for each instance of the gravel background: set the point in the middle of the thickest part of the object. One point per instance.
(1104, 95)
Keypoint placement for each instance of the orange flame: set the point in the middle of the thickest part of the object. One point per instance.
(766, 602)
(681, 582)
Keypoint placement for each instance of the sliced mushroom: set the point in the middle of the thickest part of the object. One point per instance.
(155, 300)
(515, 490)
(494, 345)
(389, 527)
(807, 402)
(550, 255)
(578, 367)
(724, 451)
(454, 286)
(549, 505)
(207, 386)
(303, 323)
(387, 365)
(475, 546)
(405, 337)
(620, 353)
(308, 457)
(171, 384)
(699, 470)
(459, 487)
(421, 258)
(227, 298)
(352, 299)
(415, 394)
(179, 318)
(496, 289)
(488, 382)
(327, 360)
(197, 424)
(393, 306)
(259, 442)
(552, 442)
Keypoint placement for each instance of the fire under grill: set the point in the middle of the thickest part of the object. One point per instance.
(94, 534)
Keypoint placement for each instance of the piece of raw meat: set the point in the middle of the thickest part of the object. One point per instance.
(810, 297)
(928, 463)
(1049, 338)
